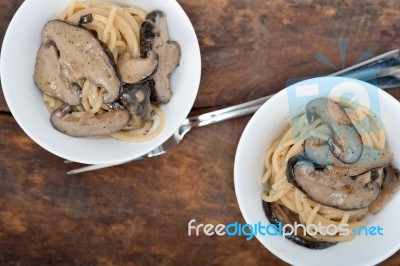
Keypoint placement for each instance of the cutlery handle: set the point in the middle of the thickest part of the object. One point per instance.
(226, 113)
(381, 70)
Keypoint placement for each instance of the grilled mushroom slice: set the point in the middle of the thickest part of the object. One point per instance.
(346, 143)
(280, 214)
(390, 185)
(54, 79)
(154, 37)
(136, 99)
(318, 152)
(371, 158)
(85, 19)
(330, 186)
(89, 125)
(73, 54)
(134, 70)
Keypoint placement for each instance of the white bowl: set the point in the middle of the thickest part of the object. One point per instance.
(21, 42)
(263, 129)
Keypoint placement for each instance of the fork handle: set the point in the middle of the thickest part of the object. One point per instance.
(223, 114)
(379, 70)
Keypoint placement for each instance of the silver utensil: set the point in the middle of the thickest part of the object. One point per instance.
(188, 124)
(383, 70)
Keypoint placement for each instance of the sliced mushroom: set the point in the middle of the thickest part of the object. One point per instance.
(377, 174)
(134, 70)
(154, 37)
(346, 143)
(390, 185)
(371, 158)
(330, 186)
(84, 19)
(136, 99)
(53, 78)
(89, 125)
(277, 214)
(81, 56)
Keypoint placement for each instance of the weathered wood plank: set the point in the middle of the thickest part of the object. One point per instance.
(138, 213)
(7, 10)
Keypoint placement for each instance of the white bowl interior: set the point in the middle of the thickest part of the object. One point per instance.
(263, 129)
(23, 38)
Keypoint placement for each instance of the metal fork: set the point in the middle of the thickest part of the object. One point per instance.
(188, 124)
(383, 70)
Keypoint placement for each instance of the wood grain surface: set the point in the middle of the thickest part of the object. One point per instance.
(137, 214)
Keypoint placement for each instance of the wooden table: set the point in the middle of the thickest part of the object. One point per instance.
(138, 213)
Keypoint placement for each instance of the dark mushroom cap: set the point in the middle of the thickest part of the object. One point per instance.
(390, 185)
(280, 214)
(136, 99)
(84, 19)
(154, 37)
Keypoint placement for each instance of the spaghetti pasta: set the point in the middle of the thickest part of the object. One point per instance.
(119, 28)
(290, 143)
